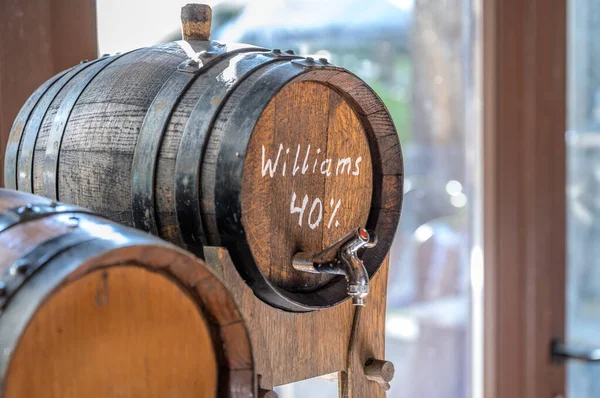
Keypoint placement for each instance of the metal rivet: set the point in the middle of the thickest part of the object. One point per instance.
(83, 61)
(237, 154)
(53, 204)
(2, 288)
(323, 60)
(276, 51)
(73, 222)
(291, 52)
(25, 209)
(192, 62)
(19, 267)
(310, 59)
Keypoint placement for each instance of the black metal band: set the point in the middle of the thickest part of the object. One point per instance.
(195, 135)
(16, 132)
(60, 123)
(32, 211)
(24, 162)
(153, 128)
(228, 189)
(147, 149)
(19, 271)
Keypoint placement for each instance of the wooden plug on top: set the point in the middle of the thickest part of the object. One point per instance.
(195, 22)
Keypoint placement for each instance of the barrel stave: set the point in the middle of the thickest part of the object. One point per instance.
(170, 151)
(109, 115)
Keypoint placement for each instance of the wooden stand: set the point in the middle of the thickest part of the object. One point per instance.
(290, 347)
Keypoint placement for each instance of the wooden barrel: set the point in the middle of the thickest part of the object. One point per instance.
(263, 152)
(90, 308)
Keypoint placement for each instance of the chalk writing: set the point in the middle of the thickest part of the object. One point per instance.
(300, 160)
(275, 164)
(315, 215)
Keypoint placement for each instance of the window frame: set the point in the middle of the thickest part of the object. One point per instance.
(524, 201)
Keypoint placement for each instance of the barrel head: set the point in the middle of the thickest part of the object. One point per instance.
(307, 180)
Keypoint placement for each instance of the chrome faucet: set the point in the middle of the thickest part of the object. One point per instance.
(341, 258)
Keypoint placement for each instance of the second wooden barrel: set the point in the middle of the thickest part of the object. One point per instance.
(89, 308)
(263, 152)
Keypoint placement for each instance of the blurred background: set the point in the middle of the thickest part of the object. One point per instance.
(416, 55)
(583, 192)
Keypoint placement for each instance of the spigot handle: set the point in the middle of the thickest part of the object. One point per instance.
(354, 269)
(310, 261)
(341, 258)
(362, 238)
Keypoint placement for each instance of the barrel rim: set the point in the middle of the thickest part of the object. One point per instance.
(57, 130)
(387, 180)
(87, 249)
(18, 129)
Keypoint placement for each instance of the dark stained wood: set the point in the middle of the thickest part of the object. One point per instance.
(39, 39)
(524, 81)
(147, 315)
(318, 139)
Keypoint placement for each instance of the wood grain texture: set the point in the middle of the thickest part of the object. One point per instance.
(232, 342)
(368, 343)
(351, 176)
(380, 371)
(291, 347)
(141, 310)
(109, 114)
(524, 88)
(105, 335)
(313, 139)
(39, 39)
(196, 20)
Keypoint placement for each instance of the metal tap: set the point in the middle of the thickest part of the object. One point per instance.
(341, 258)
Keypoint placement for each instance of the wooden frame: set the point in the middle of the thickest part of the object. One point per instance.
(524, 97)
(307, 345)
(39, 39)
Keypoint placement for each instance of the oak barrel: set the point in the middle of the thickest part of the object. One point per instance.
(89, 308)
(261, 151)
